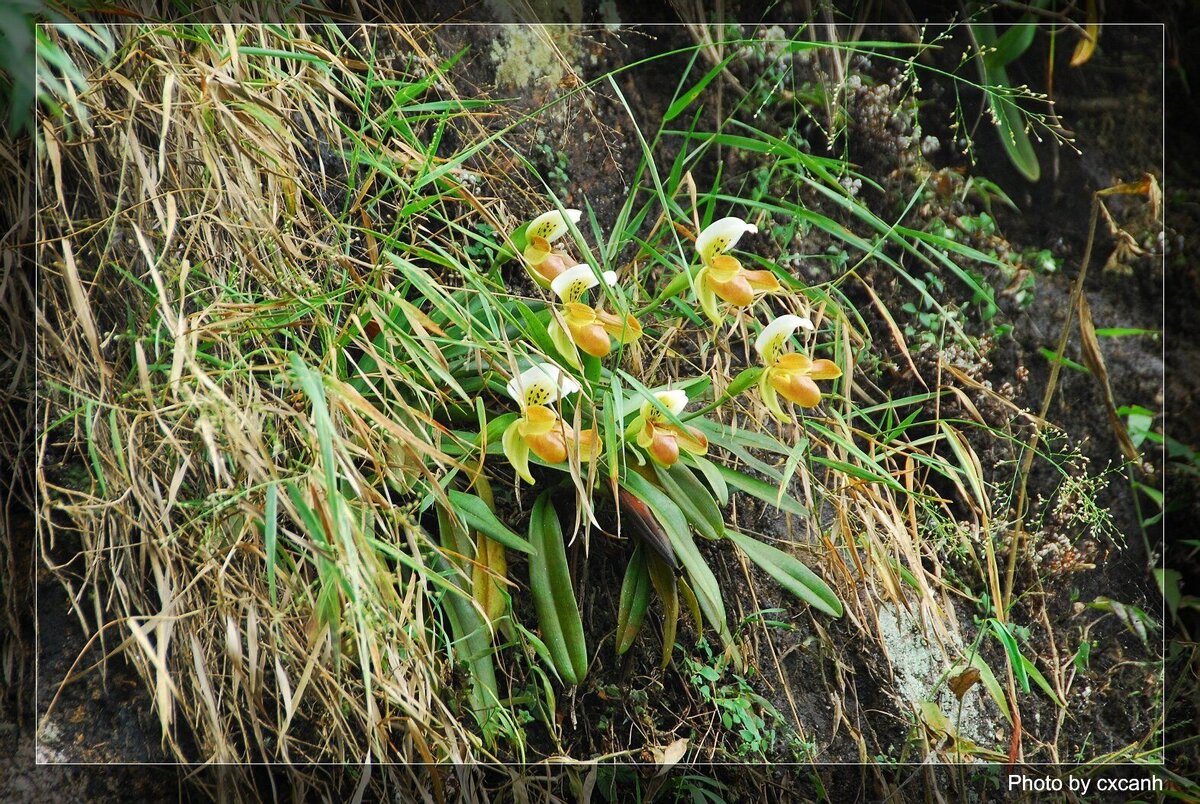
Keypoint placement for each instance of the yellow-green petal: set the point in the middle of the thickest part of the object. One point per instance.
(769, 396)
(708, 299)
(566, 347)
(516, 449)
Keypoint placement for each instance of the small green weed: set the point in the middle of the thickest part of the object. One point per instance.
(752, 725)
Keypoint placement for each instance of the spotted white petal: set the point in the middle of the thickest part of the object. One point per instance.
(552, 225)
(674, 401)
(541, 384)
(572, 283)
(771, 340)
(720, 236)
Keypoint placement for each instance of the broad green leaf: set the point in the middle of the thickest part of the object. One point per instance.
(693, 499)
(791, 573)
(762, 490)
(477, 515)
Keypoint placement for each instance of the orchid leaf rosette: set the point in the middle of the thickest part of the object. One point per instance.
(591, 329)
(542, 260)
(722, 276)
(539, 429)
(789, 374)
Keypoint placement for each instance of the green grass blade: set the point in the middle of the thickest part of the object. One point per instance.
(270, 537)
(688, 98)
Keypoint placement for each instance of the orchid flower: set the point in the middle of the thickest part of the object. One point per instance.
(539, 428)
(722, 276)
(543, 262)
(589, 328)
(790, 373)
(663, 439)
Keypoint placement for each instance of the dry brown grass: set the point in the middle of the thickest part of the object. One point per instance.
(192, 187)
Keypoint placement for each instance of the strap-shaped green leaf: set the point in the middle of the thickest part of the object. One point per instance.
(687, 98)
(1009, 117)
(553, 596)
(693, 499)
(472, 636)
(764, 491)
(668, 592)
(716, 482)
(1013, 650)
(477, 514)
(635, 600)
(704, 583)
(790, 573)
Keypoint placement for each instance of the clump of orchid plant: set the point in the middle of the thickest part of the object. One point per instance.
(542, 260)
(592, 329)
(722, 275)
(786, 373)
(663, 499)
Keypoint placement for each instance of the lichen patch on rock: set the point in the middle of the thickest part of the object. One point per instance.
(920, 669)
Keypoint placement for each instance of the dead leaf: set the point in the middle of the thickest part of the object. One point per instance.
(669, 756)
(935, 720)
(1146, 186)
(1091, 37)
(962, 682)
(638, 517)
